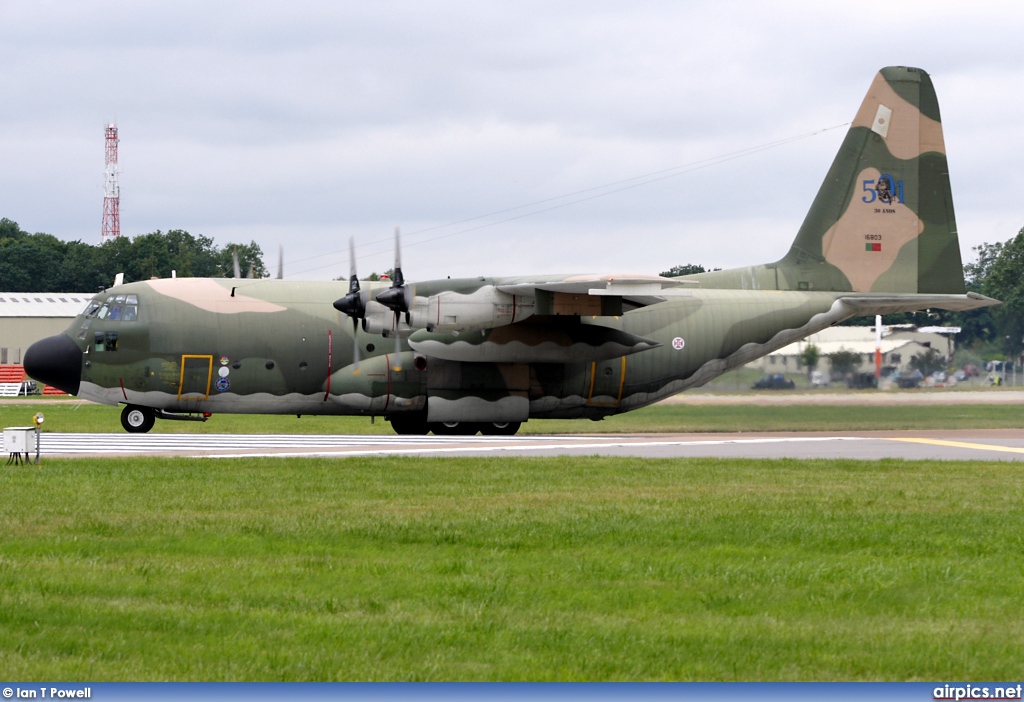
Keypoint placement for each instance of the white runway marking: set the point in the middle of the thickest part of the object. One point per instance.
(250, 445)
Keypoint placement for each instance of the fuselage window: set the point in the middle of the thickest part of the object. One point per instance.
(98, 344)
(111, 341)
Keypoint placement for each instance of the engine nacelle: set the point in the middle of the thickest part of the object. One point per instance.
(485, 308)
(378, 318)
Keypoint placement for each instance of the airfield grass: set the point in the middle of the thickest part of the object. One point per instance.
(511, 569)
(63, 417)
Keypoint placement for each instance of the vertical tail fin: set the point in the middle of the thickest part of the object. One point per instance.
(883, 219)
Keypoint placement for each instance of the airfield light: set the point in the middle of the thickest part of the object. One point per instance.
(38, 421)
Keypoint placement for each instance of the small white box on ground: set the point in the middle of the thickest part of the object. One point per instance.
(19, 440)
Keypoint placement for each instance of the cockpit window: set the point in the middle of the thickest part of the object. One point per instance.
(117, 308)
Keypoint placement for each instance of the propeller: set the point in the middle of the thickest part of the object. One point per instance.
(280, 261)
(352, 304)
(234, 263)
(396, 297)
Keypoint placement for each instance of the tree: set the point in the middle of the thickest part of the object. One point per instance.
(843, 361)
(809, 357)
(1003, 268)
(688, 269)
(249, 256)
(928, 361)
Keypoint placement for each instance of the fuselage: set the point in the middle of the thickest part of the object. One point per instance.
(278, 347)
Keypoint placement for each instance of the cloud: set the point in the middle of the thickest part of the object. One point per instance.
(302, 124)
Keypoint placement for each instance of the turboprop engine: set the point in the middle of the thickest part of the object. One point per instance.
(485, 308)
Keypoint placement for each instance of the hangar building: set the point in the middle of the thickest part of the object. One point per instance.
(25, 318)
(900, 343)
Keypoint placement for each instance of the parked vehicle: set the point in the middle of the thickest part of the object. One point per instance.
(773, 382)
(861, 381)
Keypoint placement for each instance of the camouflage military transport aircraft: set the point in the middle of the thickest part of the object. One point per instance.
(486, 354)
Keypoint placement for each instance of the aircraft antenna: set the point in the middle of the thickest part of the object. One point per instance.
(111, 228)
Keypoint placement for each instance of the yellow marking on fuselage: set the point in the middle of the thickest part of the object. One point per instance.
(622, 384)
(961, 444)
(209, 375)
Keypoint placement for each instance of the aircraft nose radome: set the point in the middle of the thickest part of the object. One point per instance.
(56, 361)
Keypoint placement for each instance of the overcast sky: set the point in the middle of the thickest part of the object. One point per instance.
(303, 123)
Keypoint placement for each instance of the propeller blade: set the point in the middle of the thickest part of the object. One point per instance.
(252, 271)
(353, 279)
(234, 263)
(398, 344)
(280, 261)
(397, 280)
(355, 345)
(395, 297)
(352, 304)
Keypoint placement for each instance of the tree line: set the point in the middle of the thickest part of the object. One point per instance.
(43, 263)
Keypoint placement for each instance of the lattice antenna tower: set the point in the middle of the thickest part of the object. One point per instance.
(111, 190)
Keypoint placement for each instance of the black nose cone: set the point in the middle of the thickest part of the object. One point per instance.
(56, 361)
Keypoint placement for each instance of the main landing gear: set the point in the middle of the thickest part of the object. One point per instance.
(137, 420)
(416, 424)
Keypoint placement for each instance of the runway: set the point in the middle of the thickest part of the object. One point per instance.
(979, 444)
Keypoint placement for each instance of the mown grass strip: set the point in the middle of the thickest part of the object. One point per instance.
(510, 569)
(655, 419)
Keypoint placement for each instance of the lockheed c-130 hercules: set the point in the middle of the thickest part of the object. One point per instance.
(486, 354)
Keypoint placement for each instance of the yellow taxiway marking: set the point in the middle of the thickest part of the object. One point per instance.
(963, 444)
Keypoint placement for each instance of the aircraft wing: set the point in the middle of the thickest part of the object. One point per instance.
(632, 290)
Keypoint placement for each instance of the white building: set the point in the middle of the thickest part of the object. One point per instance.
(900, 343)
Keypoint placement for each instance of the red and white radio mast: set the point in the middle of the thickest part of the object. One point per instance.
(111, 191)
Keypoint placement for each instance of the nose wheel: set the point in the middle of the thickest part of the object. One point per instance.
(137, 420)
